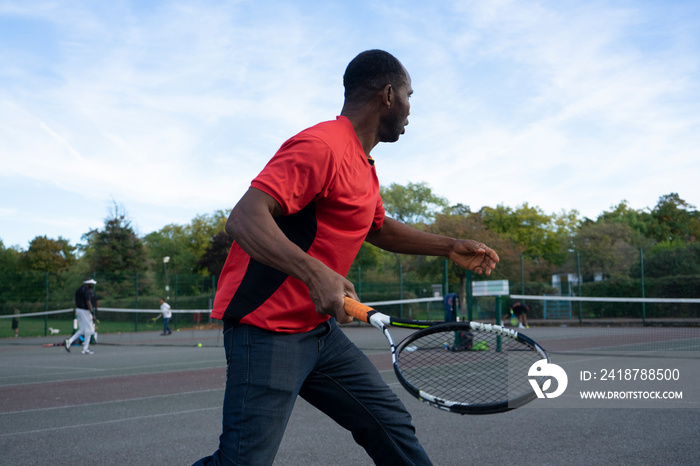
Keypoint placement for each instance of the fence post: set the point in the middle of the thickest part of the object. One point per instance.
(641, 267)
(213, 290)
(174, 318)
(46, 305)
(578, 279)
(522, 275)
(359, 282)
(400, 288)
(499, 321)
(445, 279)
(499, 314)
(136, 303)
(470, 291)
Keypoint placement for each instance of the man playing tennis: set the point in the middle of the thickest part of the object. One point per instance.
(85, 314)
(281, 293)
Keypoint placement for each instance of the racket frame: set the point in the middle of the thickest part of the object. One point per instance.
(383, 322)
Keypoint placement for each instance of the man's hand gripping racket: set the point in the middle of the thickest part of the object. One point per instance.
(461, 367)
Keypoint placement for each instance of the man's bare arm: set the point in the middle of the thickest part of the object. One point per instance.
(253, 227)
(398, 237)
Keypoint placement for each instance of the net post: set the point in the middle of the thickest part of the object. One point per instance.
(641, 267)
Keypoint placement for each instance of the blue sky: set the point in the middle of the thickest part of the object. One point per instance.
(170, 108)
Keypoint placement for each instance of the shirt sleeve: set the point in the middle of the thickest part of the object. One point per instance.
(379, 213)
(301, 171)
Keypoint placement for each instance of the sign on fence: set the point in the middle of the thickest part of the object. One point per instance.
(490, 288)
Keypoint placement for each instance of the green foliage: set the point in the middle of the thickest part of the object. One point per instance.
(171, 241)
(540, 235)
(130, 270)
(9, 258)
(670, 286)
(414, 203)
(116, 248)
(673, 220)
(203, 228)
(670, 260)
(187, 245)
(215, 255)
(604, 247)
(48, 255)
(640, 222)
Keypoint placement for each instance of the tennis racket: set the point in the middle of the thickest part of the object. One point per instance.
(152, 322)
(461, 367)
(513, 319)
(50, 345)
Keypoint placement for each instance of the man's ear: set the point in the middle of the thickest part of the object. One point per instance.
(387, 94)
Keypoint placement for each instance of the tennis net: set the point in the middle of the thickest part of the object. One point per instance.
(614, 310)
(617, 324)
(599, 324)
(121, 326)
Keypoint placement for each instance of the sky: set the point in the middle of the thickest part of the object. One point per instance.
(168, 109)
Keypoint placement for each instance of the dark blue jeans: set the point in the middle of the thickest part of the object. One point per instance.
(266, 371)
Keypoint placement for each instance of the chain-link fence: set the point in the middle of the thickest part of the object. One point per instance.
(626, 274)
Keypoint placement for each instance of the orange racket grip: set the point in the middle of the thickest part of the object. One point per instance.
(357, 310)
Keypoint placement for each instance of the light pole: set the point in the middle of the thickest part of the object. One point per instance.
(166, 259)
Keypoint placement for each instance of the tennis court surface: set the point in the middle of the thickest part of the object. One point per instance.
(145, 399)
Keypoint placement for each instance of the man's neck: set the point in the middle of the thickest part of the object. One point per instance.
(365, 125)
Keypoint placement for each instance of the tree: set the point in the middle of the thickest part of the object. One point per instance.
(175, 242)
(187, 245)
(674, 220)
(540, 235)
(9, 258)
(638, 220)
(667, 261)
(473, 227)
(604, 248)
(203, 228)
(414, 203)
(214, 257)
(117, 248)
(48, 255)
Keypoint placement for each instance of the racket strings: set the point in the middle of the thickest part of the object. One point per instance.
(470, 368)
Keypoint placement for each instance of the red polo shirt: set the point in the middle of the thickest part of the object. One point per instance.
(329, 192)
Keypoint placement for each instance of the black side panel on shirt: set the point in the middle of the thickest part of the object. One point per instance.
(261, 281)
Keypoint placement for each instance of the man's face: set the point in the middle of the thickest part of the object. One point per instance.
(393, 124)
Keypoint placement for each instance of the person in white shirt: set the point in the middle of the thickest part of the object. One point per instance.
(167, 314)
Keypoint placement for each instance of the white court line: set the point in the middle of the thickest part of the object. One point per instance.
(92, 424)
(101, 403)
(111, 374)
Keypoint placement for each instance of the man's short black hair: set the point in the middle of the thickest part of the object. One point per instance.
(370, 71)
